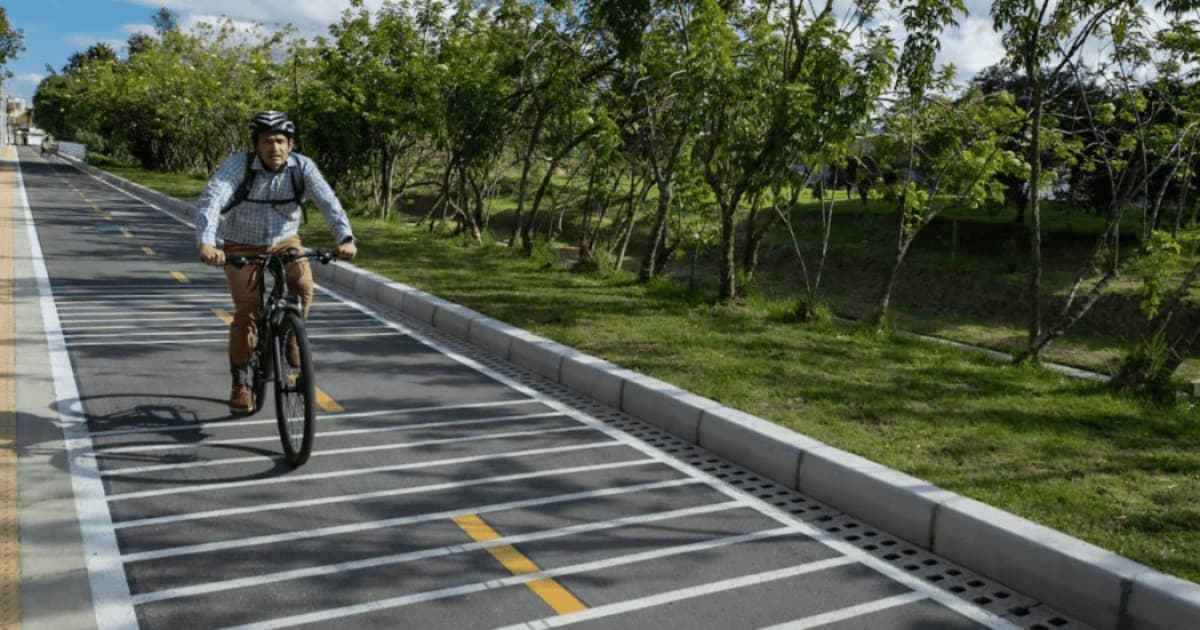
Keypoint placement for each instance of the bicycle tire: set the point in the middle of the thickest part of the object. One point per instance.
(295, 401)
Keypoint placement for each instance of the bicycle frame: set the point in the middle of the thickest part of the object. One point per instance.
(280, 323)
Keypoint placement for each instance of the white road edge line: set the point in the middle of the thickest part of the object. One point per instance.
(850, 612)
(946, 599)
(335, 451)
(269, 539)
(425, 554)
(106, 573)
(375, 494)
(691, 592)
(338, 416)
(354, 472)
(608, 563)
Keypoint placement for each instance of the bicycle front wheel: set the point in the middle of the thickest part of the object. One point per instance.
(294, 398)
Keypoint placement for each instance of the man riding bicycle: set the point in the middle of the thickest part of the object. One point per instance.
(253, 203)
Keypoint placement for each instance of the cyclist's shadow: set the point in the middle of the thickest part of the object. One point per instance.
(162, 420)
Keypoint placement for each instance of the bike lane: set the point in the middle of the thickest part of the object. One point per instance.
(445, 489)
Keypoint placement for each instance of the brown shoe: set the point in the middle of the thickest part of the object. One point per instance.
(293, 351)
(240, 401)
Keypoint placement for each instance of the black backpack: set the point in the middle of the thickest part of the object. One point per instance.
(242, 193)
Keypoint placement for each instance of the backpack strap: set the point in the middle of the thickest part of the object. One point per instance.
(298, 190)
(242, 192)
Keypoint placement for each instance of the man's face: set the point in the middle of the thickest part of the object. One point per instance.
(273, 149)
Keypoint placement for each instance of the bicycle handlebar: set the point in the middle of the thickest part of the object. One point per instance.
(322, 256)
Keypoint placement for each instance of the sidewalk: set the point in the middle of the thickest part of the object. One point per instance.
(10, 544)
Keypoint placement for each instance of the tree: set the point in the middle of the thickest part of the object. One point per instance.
(377, 76)
(949, 153)
(99, 52)
(775, 95)
(1041, 38)
(12, 43)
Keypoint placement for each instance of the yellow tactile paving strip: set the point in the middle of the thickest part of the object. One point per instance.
(10, 542)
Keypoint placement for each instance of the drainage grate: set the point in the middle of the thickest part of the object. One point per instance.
(989, 595)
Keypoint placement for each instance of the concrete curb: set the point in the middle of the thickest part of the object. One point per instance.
(1096, 586)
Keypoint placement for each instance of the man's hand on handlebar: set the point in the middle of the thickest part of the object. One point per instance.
(347, 250)
(210, 255)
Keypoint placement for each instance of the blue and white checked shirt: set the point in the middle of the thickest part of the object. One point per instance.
(252, 223)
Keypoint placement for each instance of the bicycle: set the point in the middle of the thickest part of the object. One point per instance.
(280, 318)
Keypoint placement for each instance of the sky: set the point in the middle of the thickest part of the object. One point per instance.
(54, 29)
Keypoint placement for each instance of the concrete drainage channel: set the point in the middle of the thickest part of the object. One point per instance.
(947, 539)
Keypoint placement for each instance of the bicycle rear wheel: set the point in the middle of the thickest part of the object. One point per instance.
(294, 398)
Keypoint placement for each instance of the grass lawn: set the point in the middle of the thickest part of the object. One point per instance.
(1118, 472)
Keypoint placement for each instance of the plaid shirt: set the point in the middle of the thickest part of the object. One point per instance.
(251, 223)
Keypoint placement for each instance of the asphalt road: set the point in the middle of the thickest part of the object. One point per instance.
(446, 489)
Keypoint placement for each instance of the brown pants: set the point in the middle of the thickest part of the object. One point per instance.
(243, 286)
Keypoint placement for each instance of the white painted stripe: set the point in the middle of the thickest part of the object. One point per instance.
(355, 472)
(134, 317)
(217, 325)
(182, 322)
(425, 554)
(682, 594)
(321, 418)
(376, 494)
(382, 331)
(197, 325)
(110, 588)
(338, 451)
(586, 567)
(850, 612)
(105, 295)
(163, 303)
(336, 530)
(175, 446)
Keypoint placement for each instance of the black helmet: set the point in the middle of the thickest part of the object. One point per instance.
(271, 121)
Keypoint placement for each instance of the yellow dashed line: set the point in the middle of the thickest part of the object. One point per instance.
(324, 400)
(149, 252)
(127, 234)
(327, 403)
(107, 217)
(554, 594)
(178, 275)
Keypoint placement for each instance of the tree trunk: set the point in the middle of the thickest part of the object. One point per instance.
(727, 287)
(1035, 215)
(650, 262)
(385, 184)
(526, 168)
(527, 228)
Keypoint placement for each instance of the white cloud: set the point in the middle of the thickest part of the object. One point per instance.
(83, 42)
(29, 77)
(133, 29)
(971, 47)
(310, 17)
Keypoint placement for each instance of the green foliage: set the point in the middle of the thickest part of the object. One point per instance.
(12, 43)
(1157, 268)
